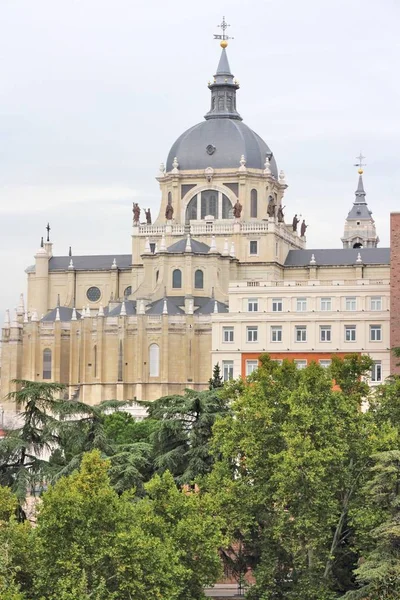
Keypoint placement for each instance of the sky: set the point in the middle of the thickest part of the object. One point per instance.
(93, 93)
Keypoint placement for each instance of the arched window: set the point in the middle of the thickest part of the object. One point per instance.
(199, 279)
(95, 361)
(47, 363)
(154, 360)
(177, 278)
(253, 204)
(191, 210)
(209, 203)
(120, 362)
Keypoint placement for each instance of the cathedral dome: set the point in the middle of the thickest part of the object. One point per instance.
(222, 139)
(219, 143)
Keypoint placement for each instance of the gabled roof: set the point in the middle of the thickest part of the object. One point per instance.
(130, 308)
(65, 314)
(197, 247)
(338, 257)
(101, 262)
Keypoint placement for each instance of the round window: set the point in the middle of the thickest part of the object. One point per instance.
(93, 294)
(128, 291)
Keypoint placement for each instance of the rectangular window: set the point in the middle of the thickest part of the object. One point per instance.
(301, 304)
(301, 333)
(227, 334)
(325, 333)
(251, 365)
(276, 333)
(326, 303)
(300, 364)
(253, 247)
(376, 372)
(375, 333)
(277, 305)
(252, 305)
(152, 247)
(351, 303)
(252, 333)
(376, 303)
(227, 370)
(350, 333)
(325, 363)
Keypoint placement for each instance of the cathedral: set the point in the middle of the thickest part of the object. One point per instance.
(219, 276)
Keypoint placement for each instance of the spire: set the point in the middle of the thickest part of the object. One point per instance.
(223, 92)
(360, 192)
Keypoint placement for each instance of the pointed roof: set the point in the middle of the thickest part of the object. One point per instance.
(62, 313)
(223, 92)
(360, 208)
(223, 69)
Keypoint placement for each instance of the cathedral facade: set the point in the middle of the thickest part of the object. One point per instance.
(218, 255)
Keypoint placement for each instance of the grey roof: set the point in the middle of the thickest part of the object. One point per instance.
(222, 132)
(197, 247)
(90, 263)
(360, 208)
(338, 257)
(65, 314)
(231, 139)
(203, 305)
(130, 307)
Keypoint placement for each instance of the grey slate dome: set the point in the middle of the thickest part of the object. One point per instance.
(221, 139)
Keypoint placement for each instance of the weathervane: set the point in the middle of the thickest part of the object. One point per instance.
(360, 163)
(224, 38)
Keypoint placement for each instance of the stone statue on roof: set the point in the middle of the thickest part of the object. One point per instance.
(136, 212)
(148, 216)
(169, 211)
(295, 222)
(281, 215)
(271, 207)
(303, 228)
(237, 209)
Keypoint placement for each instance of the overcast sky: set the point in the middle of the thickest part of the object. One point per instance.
(94, 92)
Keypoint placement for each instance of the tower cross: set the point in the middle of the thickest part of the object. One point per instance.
(48, 228)
(360, 164)
(224, 37)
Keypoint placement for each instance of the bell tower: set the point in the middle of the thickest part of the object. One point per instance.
(359, 227)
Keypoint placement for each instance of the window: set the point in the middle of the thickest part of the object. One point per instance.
(325, 333)
(199, 279)
(176, 278)
(351, 303)
(252, 304)
(326, 303)
(376, 372)
(350, 333)
(209, 204)
(252, 333)
(154, 360)
(301, 333)
(301, 304)
(227, 370)
(276, 333)
(375, 333)
(253, 204)
(325, 363)
(277, 305)
(251, 365)
(228, 334)
(376, 303)
(152, 247)
(93, 294)
(120, 362)
(300, 364)
(128, 291)
(47, 363)
(253, 247)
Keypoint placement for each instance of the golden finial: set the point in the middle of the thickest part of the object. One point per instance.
(360, 164)
(224, 38)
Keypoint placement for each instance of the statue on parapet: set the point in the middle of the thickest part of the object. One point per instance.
(271, 207)
(169, 211)
(303, 228)
(148, 216)
(136, 212)
(237, 209)
(281, 215)
(295, 222)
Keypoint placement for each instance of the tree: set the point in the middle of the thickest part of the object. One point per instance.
(216, 380)
(379, 572)
(94, 543)
(181, 442)
(294, 455)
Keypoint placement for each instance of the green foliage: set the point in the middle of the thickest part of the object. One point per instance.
(216, 380)
(181, 442)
